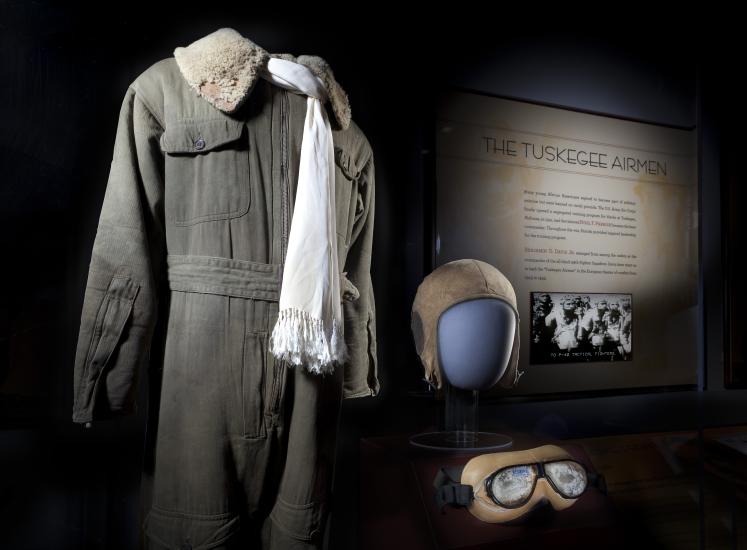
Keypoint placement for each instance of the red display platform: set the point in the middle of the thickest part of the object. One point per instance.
(397, 509)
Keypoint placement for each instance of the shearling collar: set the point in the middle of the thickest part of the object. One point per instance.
(223, 67)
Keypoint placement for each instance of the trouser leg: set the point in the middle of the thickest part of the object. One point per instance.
(300, 511)
(237, 438)
(195, 500)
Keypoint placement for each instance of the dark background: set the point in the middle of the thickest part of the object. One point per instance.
(65, 69)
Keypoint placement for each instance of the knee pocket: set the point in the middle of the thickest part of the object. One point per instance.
(180, 531)
(300, 521)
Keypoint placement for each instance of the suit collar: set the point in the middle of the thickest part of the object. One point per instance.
(223, 67)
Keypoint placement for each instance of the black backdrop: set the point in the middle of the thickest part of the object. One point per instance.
(64, 72)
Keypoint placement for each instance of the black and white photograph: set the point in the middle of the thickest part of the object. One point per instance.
(581, 327)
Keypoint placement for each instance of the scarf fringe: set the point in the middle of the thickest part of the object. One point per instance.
(299, 338)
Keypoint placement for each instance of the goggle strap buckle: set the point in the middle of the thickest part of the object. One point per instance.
(449, 491)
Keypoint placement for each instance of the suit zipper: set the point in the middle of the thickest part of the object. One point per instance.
(278, 366)
(284, 183)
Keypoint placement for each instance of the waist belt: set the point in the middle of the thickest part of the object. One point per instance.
(225, 276)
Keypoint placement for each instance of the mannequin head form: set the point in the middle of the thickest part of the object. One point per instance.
(475, 340)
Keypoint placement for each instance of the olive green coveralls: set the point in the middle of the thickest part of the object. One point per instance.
(192, 238)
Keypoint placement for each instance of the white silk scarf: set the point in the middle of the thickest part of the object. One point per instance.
(309, 328)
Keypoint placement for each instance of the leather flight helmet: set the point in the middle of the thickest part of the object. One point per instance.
(451, 283)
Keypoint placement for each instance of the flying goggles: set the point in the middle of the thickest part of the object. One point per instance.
(503, 486)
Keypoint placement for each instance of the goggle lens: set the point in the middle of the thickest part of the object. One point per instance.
(514, 485)
(568, 477)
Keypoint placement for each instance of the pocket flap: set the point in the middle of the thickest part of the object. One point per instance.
(301, 521)
(199, 136)
(198, 532)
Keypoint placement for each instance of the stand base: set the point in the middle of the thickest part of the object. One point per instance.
(462, 441)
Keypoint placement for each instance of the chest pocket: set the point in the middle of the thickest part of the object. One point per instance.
(206, 170)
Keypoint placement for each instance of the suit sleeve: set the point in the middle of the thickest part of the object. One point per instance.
(360, 314)
(120, 303)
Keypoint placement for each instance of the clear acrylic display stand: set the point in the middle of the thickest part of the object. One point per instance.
(460, 431)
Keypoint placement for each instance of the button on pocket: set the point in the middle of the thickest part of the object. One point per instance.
(206, 169)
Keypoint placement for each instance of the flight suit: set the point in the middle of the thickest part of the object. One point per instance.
(184, 280)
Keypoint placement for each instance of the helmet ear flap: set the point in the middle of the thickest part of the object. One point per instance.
(418, 336)
(416, 325)
(512, 373)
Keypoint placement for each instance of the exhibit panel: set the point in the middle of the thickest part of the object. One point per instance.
(593, 219)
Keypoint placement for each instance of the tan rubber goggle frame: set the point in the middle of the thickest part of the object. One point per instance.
(477, 471)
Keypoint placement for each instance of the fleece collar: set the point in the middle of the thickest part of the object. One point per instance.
(223, 66)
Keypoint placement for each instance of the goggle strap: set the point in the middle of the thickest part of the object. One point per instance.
(450, 491)
(598, 481)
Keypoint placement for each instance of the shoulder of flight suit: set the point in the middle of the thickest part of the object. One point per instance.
(155, 84)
